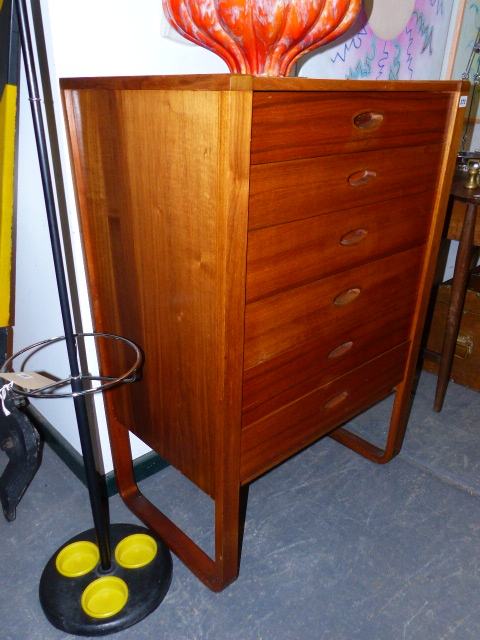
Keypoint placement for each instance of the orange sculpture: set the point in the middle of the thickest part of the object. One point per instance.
(261, 37)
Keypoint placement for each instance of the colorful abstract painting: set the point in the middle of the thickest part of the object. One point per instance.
(468, 35)
(468, 62)
(417, 53)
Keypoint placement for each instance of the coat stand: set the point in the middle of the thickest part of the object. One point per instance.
(110, 577)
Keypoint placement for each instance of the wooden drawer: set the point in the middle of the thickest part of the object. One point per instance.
(285, 378)
(298, 252)
(282, 433)
(286, 126)
(286, 320)
(285, 191)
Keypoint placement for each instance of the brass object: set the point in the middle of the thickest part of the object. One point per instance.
(473, 171)
(464, 346)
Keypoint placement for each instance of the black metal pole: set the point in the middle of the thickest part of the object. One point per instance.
(99, 513)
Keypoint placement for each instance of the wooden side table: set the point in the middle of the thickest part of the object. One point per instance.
(462, 227)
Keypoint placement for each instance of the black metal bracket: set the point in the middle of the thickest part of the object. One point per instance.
(22, 444)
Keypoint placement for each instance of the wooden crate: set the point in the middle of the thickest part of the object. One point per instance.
(466, 363)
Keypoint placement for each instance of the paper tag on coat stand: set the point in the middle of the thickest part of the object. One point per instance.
(28, 379)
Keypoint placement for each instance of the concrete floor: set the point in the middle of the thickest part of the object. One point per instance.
(335, 548)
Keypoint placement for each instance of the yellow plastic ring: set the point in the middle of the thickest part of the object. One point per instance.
(105, 597)
(77, 559)
(135, 551)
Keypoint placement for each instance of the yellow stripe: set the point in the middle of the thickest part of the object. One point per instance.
(8, 107)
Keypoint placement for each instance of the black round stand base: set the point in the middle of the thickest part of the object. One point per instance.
(61, 596)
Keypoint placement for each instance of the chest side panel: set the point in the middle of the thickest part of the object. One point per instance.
(162, 189)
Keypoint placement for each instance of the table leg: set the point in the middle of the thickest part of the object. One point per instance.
(454, 316)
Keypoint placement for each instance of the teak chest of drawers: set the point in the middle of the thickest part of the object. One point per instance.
(270, 244)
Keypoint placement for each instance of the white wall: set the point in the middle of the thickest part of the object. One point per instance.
(88, 38)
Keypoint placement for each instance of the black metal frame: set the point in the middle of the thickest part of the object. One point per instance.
(99, 514)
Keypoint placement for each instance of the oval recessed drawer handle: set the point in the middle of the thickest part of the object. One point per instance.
(354, 237)
(359, 178)
(341, 350)
(347, 296)
(368, 120)
(336, 400)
